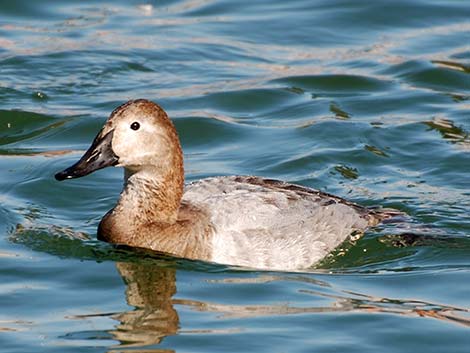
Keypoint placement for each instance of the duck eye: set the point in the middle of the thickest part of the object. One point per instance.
(135, 125)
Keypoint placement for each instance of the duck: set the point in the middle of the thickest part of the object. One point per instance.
(246, 221)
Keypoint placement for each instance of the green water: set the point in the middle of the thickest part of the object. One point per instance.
(366, 100)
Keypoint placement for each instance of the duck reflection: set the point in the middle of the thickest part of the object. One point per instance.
(150, 290)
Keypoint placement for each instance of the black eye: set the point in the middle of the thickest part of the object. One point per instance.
(135, 125)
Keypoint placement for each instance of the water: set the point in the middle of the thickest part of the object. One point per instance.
(366, 100)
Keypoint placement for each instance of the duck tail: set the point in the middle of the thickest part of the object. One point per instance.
(385, 215)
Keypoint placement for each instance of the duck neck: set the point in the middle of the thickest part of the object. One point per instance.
(152, 195)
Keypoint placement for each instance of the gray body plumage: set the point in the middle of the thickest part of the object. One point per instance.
(264, 223)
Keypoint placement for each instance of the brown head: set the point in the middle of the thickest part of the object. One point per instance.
(140, 137)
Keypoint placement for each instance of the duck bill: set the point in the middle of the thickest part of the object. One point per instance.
(100, 155)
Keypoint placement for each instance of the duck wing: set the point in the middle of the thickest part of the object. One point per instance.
(266, 223)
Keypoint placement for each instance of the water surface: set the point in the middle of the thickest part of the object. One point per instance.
(366, 100)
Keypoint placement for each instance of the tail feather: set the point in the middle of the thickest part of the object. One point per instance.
(385, 215)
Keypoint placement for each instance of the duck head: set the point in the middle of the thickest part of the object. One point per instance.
(138, 136)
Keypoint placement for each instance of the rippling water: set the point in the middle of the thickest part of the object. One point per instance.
(367, 100)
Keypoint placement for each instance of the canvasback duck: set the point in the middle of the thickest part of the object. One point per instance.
(235, 220)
